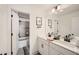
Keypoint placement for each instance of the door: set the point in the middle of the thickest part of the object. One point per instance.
(15, 31)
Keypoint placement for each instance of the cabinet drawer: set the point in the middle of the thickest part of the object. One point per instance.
(62, 50)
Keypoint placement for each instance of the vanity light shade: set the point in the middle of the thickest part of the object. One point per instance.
(54, 11)
(59, 7)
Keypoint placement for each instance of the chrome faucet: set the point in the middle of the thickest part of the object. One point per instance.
(68, 37)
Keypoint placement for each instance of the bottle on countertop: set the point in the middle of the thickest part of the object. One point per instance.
(50, 38)
(49, 35)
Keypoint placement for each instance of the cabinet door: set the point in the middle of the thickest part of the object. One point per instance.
(52, 51)
(43, 46)
(45, 49)
(40, 46)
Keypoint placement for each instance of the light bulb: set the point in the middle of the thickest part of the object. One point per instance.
(59, 7)
(53, 10)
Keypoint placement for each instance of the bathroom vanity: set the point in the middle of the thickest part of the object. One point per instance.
(56, 47)
(64, 24)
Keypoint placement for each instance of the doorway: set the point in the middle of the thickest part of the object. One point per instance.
(20, 33)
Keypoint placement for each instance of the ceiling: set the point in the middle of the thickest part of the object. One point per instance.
(44, 7)
(48, 7)
(66, 7)
(70, 9)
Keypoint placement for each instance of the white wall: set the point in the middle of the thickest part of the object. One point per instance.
(3, 28)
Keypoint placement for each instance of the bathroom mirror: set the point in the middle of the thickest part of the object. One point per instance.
(50, 23)
(69, 21)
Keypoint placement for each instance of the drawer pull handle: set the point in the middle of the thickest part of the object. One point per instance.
(42, 45)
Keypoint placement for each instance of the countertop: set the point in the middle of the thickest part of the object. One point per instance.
(65, 45)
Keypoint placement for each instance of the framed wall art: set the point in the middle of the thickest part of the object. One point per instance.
(39, 22)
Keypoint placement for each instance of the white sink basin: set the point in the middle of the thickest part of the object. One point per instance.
(74, 41)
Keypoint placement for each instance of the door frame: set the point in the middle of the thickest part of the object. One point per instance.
(12, 42)
(10, 19)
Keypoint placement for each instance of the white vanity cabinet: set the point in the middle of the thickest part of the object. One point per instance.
(46, 48)
(43, 46)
